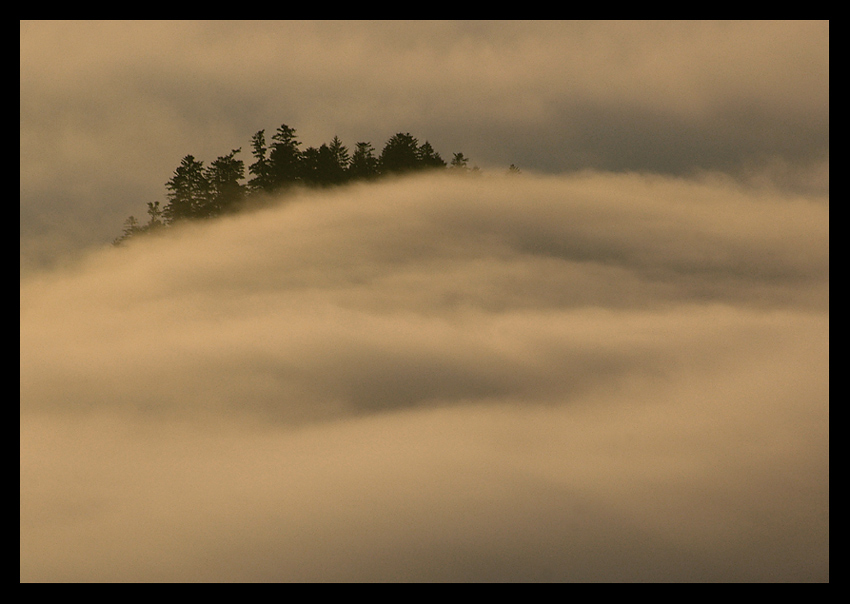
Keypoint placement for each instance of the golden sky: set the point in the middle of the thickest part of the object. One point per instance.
(612, 367)
(109, 108)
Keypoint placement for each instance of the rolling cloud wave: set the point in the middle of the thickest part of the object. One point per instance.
(587, 377)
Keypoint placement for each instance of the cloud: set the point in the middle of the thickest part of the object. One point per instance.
(589, 377)
(109, 108)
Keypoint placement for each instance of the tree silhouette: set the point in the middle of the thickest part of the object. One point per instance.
(364, 164)
(341, 157)
(428, 158)
(284, 158)
(321, 167)
(195, 191)
(400, 154)
(224, 189)
(459, 162)
(131, 227)
(188, 191)
(261, 168)
(155, 213)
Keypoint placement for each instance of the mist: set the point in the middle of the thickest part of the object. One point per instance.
(108, 108)
(585, 377)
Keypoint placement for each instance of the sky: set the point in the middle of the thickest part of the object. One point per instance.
(611, 367)
(108, 109)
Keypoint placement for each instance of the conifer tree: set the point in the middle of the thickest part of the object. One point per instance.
(225, 190)
(131, 227)
(459, 162)
(155, 213)
(340, 155)
(400, 154)
(188, 190)
(195, 191)
(284, 158)
(320, 167)
(428, 158)
(261, 168)
(364, 164)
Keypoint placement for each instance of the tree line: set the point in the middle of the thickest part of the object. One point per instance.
(196, 191)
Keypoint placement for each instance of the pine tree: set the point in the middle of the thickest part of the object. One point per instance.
(284, 158)
(428, 158)
(131, 227)
(364, 164)
(261, 168)
(155, 213)
(188, 191)
(400, 154)
(340, 154)
(223, 177)
(195, 191)
(459, 162)
(320, 167)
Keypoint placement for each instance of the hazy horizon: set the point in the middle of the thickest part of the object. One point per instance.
(612, 367)
(108, 109)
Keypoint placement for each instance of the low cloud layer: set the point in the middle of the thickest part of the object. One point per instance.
(109, 108)
(595, 377)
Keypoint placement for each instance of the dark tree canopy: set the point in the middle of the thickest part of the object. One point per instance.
(188, 190)
(428, 158)
(196, 191)
(284, 158)
(260, 170)
(321, 167)
(400, 154)
(224, 188)
(340, 155)
(459, 162)
(364, 164)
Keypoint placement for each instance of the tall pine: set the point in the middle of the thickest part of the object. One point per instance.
(363, 164)
(261, 181)
(284, 158)
(341, 159)
(188, 191)
(428, 158)
(225, 190)
(400, 154)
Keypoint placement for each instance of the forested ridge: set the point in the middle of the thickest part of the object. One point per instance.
(196, 191)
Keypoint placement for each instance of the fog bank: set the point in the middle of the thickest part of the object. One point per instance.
(593, 377)
(108, 108)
